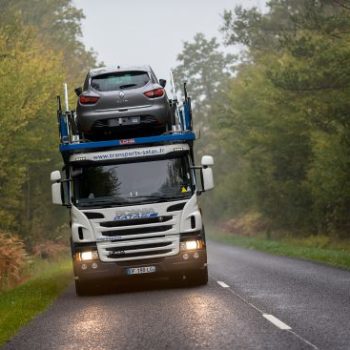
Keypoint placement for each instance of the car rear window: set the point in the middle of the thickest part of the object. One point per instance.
(120, 81)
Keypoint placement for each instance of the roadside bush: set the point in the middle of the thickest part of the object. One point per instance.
(50, 249)
(313, 241)
(249, 224)
(13, 258)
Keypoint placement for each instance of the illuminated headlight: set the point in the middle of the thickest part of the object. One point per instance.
(191, 245)
(89, 255)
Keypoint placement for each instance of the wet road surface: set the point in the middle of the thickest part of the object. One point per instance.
(252, 301)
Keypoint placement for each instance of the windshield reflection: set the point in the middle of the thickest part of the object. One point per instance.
(140, 182)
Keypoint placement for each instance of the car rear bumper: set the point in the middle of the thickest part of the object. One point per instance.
(90, 119)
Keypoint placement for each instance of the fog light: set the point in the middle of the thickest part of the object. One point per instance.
(185, 256)
(83, 266)
(88, 255)
(196, 255)
(94, 265)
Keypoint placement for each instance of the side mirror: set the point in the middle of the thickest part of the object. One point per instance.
(162, 82)
(207, 171)
(56, 188)
(207, 161)
(55, 176)
(78, 91)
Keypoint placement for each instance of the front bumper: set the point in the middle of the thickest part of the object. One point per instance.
(165, 267)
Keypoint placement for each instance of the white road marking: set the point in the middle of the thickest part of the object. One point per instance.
(278, 323)
(223, 284)
(304, 340)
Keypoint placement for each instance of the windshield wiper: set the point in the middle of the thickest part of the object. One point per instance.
(160, 198)
(125, 201)
(98, 202)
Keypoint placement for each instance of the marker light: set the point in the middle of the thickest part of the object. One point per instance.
(89, 255)
(88, 100)
(154, 93)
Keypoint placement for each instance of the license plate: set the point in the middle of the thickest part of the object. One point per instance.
(140, 270)
(124, 121)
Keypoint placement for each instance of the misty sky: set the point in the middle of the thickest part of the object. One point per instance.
(129, 32)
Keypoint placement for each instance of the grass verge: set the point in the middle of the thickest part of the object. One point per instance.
(19, 305)
(338, 256)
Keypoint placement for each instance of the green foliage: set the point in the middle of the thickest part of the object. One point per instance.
(19, 305)
(298, 121)
(315, 248)
(39, 50)
(280, 127)
(202, 65)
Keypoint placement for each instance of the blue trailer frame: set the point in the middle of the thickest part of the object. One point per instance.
(70, 144)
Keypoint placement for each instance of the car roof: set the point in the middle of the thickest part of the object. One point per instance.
(113, 69)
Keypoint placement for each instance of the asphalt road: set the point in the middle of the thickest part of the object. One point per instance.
(253, 301)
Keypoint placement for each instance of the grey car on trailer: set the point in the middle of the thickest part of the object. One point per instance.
(117, 99)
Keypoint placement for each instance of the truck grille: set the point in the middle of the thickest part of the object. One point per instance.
(137, 238)
(139, 250)
(119, 223)
(135, 231)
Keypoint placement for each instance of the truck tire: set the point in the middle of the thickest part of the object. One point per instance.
(201, 277)
(81, 288)
(198, 278)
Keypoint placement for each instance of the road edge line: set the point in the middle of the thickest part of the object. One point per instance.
(277, 322)
(222, 284)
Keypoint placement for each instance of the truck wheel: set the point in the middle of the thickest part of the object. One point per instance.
(81, 288)
(199, 278)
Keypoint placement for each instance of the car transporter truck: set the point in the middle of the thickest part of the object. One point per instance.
(133, 203)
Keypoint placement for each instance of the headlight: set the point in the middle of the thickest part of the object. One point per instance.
(88, 255)
(191, 245)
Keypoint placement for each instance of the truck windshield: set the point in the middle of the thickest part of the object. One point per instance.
(131, 183)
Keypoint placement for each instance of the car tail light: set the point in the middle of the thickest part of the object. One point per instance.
(88, 100)
(155, 93)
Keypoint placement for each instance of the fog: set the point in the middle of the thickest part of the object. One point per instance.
(150, 32)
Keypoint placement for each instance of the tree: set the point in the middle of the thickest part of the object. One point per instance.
(284, 119)
(40, 48)
(205, 68)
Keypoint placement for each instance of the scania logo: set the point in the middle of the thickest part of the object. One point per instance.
(136, 214)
